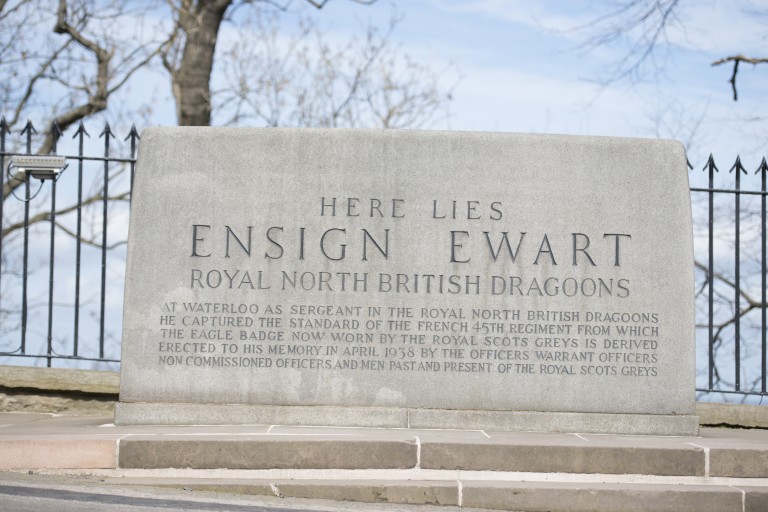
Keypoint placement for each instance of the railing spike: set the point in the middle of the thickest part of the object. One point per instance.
(710, 164)
(56, 133)
(763, 167)
(81, 130)
(29, 128)
(56, 130)
(4, 128)
(133, 133)
(107, 131)
(738, 166)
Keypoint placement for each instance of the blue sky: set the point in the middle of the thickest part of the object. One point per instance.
(523, 68)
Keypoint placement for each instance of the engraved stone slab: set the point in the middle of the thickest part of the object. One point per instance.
(463, 275)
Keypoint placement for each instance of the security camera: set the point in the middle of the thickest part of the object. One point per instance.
(37, 166)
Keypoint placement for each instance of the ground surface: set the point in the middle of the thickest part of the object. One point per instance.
(22, 492)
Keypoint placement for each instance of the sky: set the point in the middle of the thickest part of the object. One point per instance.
(523, 67)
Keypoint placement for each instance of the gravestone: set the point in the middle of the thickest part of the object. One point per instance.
(409, 279)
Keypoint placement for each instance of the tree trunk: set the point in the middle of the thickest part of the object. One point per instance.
(191, 81)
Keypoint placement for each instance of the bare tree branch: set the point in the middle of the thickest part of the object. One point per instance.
(88, 241)
(33, 81)
(321, 3)
(96, 88)
(736, 59)
(643, 21)
(46, 216)
(752, 302)
(305, 81)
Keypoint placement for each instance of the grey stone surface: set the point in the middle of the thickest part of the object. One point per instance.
(410, 271)
(755, 499)
(736, 452)
(60, 379)
(565, 497)
(239, 414)
(59, 453)
(127, 413)
(555, 422)
(360, 491)
(559, 457)
(416, 493)
(233, 452)
(741, 415)
(735, 462)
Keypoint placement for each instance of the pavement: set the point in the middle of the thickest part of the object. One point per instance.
(722, 469)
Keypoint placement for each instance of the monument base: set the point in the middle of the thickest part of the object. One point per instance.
(129, 413)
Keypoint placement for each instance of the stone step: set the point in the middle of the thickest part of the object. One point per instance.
(297, 448)
(41, 441)
(722, 469)
(518, 454)
(493, 495)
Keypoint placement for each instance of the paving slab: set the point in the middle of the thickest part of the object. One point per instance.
(394, 433)
(410, 492)
(522, 421)
(46, 453)
(575, 497)
(8, 419)
(48, 424)
(517, 496)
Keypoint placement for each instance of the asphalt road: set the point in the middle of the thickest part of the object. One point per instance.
(32, 499)
(23, 492)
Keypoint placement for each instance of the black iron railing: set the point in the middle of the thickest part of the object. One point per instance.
(67, 307)
(726, 314)
(58, 331)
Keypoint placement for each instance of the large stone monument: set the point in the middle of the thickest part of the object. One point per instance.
(409, 279)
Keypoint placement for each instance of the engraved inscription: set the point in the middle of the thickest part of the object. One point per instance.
(412, 339)
(407, 337)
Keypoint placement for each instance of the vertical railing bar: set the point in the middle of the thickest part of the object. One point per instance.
(737, 167)
(80, 134)
(3, 131)
(56, 133)
(50, 271)
(28, 129)
(763, 264)
(711, 271)
(107, 133)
